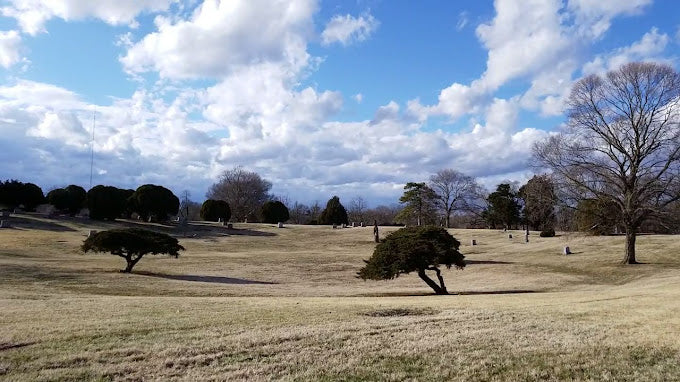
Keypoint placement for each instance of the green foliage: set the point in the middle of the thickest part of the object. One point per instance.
(14, 194)
(107, 202)
(213, 210)
(154, 201)
(547, 233)
(334, 213)
(68, 200)
(274, 211)
(413, 249)
(539, 202)
(132, 244)
(597, 216)
(503, 207)
(420, 204)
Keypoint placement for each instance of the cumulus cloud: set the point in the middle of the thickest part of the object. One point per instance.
(348, 29)
(222, 36)
(593, 18)
(10, 45)
(33, 14)
(648, 48)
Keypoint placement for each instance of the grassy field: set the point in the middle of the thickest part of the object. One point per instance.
(263, 303)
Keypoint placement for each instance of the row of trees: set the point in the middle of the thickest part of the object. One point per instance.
(103, 202)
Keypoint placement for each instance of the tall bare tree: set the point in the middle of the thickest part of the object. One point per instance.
(454, 191)
(622, 143)
(245, 191)
(357, 208)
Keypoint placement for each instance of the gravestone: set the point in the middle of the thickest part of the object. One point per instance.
(567, 251)
(219, 220)
(363, 224)
(509, 236)
(474, 242)
(335, 226)
(91, 232)
(354, 224)
(230, 226)
(280, 224)
(3, 224)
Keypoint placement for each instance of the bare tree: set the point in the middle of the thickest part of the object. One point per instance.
(622, 144)
(357, 208)
(299, 213)
(245, 191)
(314, 211)
(454, 191)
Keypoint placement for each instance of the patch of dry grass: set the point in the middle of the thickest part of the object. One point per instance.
(265, 303)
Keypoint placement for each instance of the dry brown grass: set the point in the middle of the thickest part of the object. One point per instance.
(263, 303)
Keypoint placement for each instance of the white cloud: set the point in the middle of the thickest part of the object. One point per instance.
(593, 18)
(221, 36)
(358, 97)
(10, 46)
(648, 48)
(33, 14)
(463, 19)
(348, 29)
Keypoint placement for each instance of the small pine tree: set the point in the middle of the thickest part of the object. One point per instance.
(213, 210)
(132, 244)
(414, 249)
(334, 213)
(274, 211)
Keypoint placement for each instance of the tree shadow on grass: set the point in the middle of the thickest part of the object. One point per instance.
(474, 262)
(23, 223)
(205, 279)
(451, 293)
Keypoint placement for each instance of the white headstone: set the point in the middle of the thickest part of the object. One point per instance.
(363, 224)
(3, 224)
(567, 251)
(474, 242)
(219, 220)
(91, 232)
(280, 224)
(354, 224)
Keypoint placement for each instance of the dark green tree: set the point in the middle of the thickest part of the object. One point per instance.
(107, 202)
(503, 207)
(274, 211)
(414, 249)
(213, 210)
(597, 216)
(68, 200)
(14, 194)
(152, 201)
(334, 213)
(420, 203)
(539, 202)
(132, 244)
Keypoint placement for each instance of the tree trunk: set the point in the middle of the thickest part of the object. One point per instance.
(448, 220)
(130, 263)
(630, 246)
(437, 289)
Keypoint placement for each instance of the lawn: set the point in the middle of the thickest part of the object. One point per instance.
(262, 303)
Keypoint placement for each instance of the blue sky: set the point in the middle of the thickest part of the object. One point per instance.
(353, 98)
